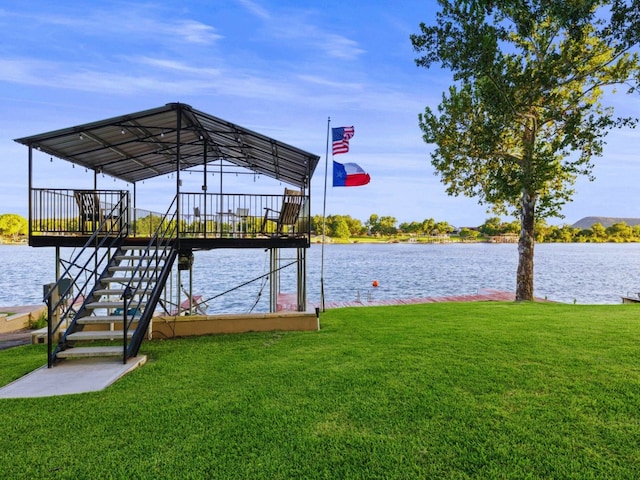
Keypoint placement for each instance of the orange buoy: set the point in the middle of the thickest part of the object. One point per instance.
(375, 283)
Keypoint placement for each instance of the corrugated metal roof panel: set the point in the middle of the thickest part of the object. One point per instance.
(144, 145)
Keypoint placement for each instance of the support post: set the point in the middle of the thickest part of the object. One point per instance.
(178, 167)
(274, 279)
(49, 330)
(324, 211)
(53, 315)
(126, 301)
(302, 279)
(204, 186)
(30, 192)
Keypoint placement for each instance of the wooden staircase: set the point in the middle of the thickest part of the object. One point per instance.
(131, 283)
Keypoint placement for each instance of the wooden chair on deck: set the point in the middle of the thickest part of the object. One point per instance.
(288, 214)
(89, 208)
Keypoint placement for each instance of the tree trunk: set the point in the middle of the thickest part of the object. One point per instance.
(524, 277)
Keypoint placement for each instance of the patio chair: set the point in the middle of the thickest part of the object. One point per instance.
(197, 219)
(89, 208)
(242, 214)
(288, 214)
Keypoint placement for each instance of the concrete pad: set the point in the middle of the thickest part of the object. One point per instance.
(71, 376)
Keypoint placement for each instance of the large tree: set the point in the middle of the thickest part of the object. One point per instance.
(13, 225)
(524, 116)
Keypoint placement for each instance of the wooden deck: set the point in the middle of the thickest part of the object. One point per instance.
(189, 243)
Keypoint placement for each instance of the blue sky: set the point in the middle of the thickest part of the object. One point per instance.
(281, 68)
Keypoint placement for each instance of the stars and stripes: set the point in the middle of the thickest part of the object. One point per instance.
(341, 136)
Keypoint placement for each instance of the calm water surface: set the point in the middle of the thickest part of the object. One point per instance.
(581, 273)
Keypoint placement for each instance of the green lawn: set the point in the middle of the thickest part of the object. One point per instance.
(466, 390)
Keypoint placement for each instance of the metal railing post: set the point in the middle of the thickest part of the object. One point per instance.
(49, 333)
(126, 296)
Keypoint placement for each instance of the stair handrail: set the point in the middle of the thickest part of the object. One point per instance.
(110, 233)
(164, 235)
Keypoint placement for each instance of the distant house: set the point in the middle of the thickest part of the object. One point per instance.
(504, 238)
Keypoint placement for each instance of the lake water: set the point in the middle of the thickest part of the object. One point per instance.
(581, 273)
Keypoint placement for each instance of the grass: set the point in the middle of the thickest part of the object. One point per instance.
(470, 390)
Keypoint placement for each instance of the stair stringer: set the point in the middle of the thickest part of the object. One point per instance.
(152, 302)
(74, 325)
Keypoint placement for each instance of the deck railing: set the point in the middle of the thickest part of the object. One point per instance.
(62, 212)
(237, 216)
(76, 212)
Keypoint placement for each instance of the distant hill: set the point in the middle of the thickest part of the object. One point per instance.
(587, 222)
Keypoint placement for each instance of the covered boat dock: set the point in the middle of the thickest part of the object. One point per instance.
(127, 252)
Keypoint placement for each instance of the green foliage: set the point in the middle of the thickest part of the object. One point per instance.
(38, 323)
(468, 233)
(13, 226)
(341, 229)
(495, 226)
(619, 232)
(525, 113)
(339, 226)
(477, 390)
(385, 225)
(524, 117)
(147, 225)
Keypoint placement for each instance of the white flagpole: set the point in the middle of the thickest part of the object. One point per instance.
(324, 210)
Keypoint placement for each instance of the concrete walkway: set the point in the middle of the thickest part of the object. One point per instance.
(71, 376)
(15, 339)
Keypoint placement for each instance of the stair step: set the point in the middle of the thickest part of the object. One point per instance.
(111, 292)
(84, 352)
(138, 254)
(133, 268)
(98, 335)
(139, 257)
(101, 319)
(126, 279)
(107, 304)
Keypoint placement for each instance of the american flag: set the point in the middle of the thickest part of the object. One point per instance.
(341, 136)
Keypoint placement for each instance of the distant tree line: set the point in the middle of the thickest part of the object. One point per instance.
(345, 227)
(14, 227)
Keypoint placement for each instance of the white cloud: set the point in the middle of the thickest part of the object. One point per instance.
(336, 46)
(125, 24)
(325, 82)
(255, 9)
(176, 66)
(22, 71)
(193, 32)
(294, 27)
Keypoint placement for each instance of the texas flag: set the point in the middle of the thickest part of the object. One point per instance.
(349, 175)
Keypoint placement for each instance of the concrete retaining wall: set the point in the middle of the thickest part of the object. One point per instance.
(20, 318)
(169, 327)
